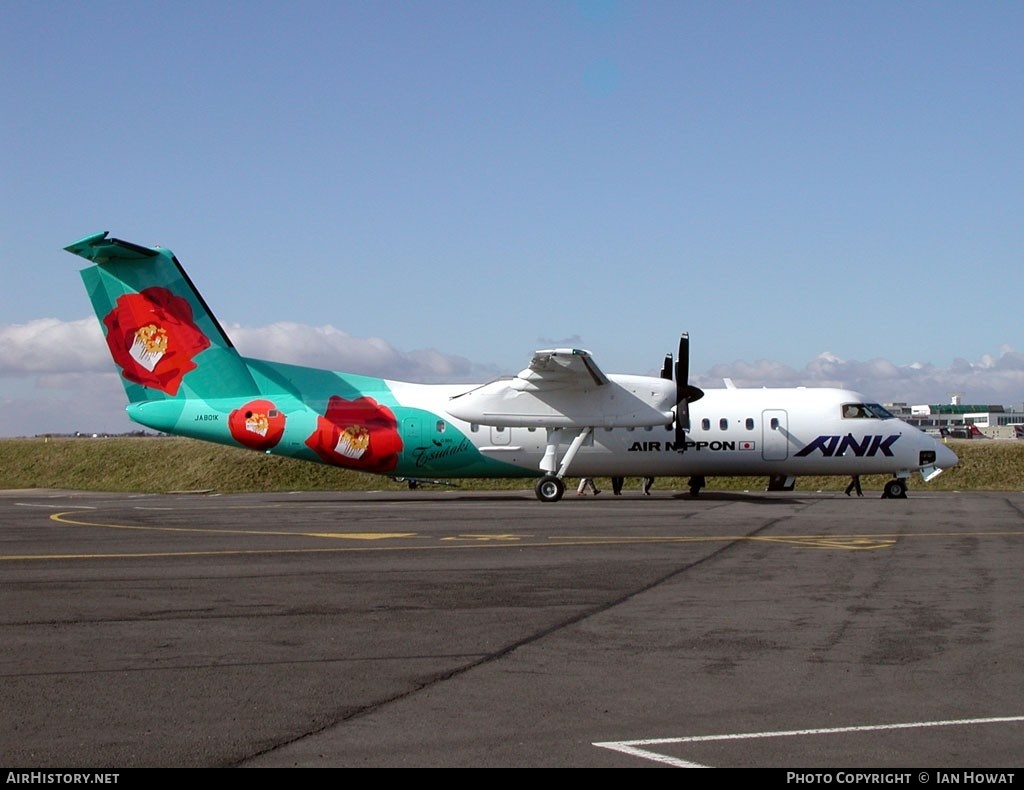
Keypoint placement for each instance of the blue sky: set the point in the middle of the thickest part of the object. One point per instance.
(818, 192)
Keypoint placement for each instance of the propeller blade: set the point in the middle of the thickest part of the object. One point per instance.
(666, 368)
(682, 406)
(685, 393)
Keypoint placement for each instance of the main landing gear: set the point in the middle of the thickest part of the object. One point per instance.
(549, 488)
(895, 489)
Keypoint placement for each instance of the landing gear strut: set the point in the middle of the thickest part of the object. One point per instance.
(550, 487)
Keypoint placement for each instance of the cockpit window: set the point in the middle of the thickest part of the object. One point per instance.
(879, 411)
(864, 411)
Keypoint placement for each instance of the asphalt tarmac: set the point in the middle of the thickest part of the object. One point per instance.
(451, 629)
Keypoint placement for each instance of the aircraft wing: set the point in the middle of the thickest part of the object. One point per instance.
(564, 387)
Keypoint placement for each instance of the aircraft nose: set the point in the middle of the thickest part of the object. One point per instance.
(944, 457)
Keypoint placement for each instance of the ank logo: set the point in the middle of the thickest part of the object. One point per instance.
(869, 445)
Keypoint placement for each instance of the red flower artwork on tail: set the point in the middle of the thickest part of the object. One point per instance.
(357, 434)
(152, 338)
(259, 425)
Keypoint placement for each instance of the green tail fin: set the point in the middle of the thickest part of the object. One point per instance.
(161, 334)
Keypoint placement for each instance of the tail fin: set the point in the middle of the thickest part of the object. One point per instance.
(161, 334)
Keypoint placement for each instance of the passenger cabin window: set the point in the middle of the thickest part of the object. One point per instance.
(441, 426)
(750, 423)
(723, 424)
(705, 424)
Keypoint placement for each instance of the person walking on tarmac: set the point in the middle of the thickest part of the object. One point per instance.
(854, 484)
(585, 483)
(617, 485)
(648, 482)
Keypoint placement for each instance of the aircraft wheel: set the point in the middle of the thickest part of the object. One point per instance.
(549, 488)
(895, 489)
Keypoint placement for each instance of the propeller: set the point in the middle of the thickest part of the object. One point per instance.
(685, 392)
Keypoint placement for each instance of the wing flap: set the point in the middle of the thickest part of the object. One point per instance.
(559, 368)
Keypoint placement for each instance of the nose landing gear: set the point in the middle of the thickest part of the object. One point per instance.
(895, 489)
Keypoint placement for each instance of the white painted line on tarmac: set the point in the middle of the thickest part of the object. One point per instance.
(632, 747)
(49, 505)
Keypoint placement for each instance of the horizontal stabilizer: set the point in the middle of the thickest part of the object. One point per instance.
(99, 249)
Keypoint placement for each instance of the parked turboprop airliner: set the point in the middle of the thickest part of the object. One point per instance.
(561, 415)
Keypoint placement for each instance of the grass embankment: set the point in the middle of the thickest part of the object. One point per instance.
(143, 464)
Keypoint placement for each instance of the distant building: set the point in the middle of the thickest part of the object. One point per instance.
(993, 420)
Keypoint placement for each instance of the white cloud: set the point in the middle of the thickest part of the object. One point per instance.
(64, 404)
(51, 345)
(990, 380)
(56, 376)
(572, 341)
(333, 349)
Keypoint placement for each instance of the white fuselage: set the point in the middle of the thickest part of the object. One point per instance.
(793, 432)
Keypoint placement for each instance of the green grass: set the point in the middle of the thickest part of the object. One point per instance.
(146, 464)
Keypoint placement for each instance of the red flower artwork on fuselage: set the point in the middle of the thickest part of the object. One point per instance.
(153, 338)
(357, 434)
(259, 424)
